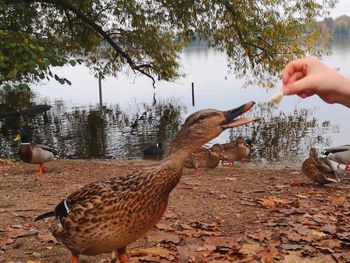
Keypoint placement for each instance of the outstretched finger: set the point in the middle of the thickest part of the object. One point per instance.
(297, 87)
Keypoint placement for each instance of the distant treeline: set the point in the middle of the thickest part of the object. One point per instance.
(338, 27)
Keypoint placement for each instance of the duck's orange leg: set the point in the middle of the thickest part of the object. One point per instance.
(41, 170)
(122, 256)
(75, 259)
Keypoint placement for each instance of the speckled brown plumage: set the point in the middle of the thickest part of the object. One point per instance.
(319, 170)
(236, 151)
(106, 216)
(205, 158)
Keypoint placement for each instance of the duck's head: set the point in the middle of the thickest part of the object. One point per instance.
(203, 126)
(313, 153)
(23, 137)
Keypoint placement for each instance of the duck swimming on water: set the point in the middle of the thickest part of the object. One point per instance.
(107, 216)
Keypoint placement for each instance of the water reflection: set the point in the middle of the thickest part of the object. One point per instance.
(281, 135)
(84, 133)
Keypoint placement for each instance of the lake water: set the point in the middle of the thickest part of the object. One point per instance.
(136, 115)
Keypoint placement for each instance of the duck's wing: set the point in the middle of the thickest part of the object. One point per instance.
(327, 169)
(324, 165)
(86, 198)
(43, 147)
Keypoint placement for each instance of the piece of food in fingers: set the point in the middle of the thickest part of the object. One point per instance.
(276, 98)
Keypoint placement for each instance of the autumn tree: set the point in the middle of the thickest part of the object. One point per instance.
(146, 36)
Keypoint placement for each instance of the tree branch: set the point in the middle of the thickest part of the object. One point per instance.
(67, 4)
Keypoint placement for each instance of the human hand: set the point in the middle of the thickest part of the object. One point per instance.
(308, 76)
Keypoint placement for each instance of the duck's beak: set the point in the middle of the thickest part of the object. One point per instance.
(18, 138)
(231, 116)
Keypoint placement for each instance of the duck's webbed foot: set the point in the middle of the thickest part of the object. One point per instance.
(122, 256)
(41, 170)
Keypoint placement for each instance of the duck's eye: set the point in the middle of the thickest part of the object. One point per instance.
(201, 117)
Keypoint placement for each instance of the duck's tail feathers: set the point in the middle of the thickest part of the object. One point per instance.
(333, 180)
(46, 215)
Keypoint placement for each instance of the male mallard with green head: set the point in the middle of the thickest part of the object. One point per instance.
(205, 158)
(319, 170)
(33, 153)
(107, 216)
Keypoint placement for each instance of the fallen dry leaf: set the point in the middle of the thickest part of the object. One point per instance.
(222, 243)
(150, 251)
(267, 203)
(295, 183)
(47, 238)
(292, 236)
(6, 162)
(331, 243)
(164, 226)
(6, 242)
(163, 237)
(249, 249)
(17, 233)
(189, 253)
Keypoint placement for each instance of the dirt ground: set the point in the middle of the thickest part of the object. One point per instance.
(254, 212)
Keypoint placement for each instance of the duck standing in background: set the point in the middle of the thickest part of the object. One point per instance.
(340, 154)
(318, 169)
(33, 153)
(205, 158)
(236, 151)
(107, 216)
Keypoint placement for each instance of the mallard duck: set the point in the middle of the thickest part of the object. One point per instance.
(340, 154)
(319, 169)
(33, 153)
(107, 216)
(154, 151)
(236, 151)
(205, 158)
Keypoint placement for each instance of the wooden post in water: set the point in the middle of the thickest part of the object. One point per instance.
(100, 91)
(193, 94)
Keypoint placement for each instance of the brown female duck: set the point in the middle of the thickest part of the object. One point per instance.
(236, 151)
(107, 216)
(33, 153)
(205, 158)
(319, 170)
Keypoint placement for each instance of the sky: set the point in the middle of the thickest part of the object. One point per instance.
(342, 8)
